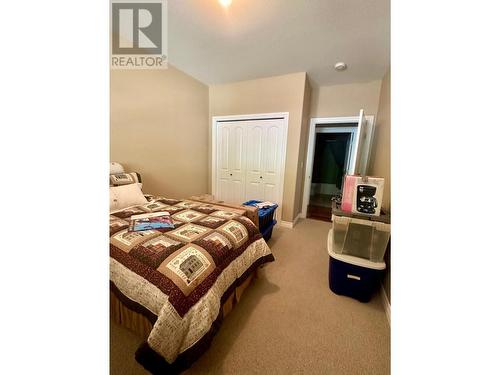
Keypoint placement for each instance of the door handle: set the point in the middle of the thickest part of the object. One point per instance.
(260, 176)
(230, 174)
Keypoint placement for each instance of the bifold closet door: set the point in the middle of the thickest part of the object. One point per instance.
(249, 160)
(231, 162)
(255, 161)
(264, 147)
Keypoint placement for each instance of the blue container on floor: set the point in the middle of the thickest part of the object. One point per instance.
(352, 276)
(266, 219)
(266, 215)
(268, 232)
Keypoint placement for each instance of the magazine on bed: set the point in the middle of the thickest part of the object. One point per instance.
(154, 220)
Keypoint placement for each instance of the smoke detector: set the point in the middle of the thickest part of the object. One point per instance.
(340, 66)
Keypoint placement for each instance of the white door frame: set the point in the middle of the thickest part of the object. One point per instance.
(311, 145)
(259, 116)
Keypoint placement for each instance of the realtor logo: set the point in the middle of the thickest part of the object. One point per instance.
(138, 34)
(136, 28)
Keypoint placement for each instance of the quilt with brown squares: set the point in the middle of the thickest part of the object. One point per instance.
(181, 276)
(205, 237)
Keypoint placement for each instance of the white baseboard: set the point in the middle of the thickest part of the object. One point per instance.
(290, 224)
(386, 303)
(286, 224)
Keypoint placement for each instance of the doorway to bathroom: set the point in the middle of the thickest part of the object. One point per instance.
(331, 156)
(337, 146)
(332, 149)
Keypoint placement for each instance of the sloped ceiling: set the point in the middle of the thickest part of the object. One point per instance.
(261, 38)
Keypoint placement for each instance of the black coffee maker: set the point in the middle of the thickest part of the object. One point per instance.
(365, 199)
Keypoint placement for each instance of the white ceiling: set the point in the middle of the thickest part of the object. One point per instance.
(261, 38)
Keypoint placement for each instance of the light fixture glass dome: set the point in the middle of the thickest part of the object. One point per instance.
(340, 66)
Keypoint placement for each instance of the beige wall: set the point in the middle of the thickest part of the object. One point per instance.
(381, 147)
(274, 94)
(159, 129)
(157, 115)
(381, 160)
(345, 100)
(375, 98)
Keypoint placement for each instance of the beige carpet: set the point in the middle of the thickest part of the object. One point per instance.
(288, 321)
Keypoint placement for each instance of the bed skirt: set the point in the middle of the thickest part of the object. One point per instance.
(142, 325)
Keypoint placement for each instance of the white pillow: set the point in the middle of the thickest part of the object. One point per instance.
(125, 196)
(115, 168)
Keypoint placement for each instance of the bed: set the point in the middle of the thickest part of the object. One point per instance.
(173, 287)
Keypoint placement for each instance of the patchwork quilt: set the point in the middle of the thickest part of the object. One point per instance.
(179, 277)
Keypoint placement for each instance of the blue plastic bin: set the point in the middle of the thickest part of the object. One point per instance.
(266, 215)
(268, 232)
(352, 276)
(266, 219)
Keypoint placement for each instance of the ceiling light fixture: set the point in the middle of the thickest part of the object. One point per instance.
(340, 66)
(225, 3)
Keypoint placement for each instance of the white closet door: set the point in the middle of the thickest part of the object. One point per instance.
(255, 160)
(223, 173)
(237, 162)
(264, 148)
(249, 159)
(273, 147)
(231, 162)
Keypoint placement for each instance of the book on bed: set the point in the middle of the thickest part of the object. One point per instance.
(149, 221)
